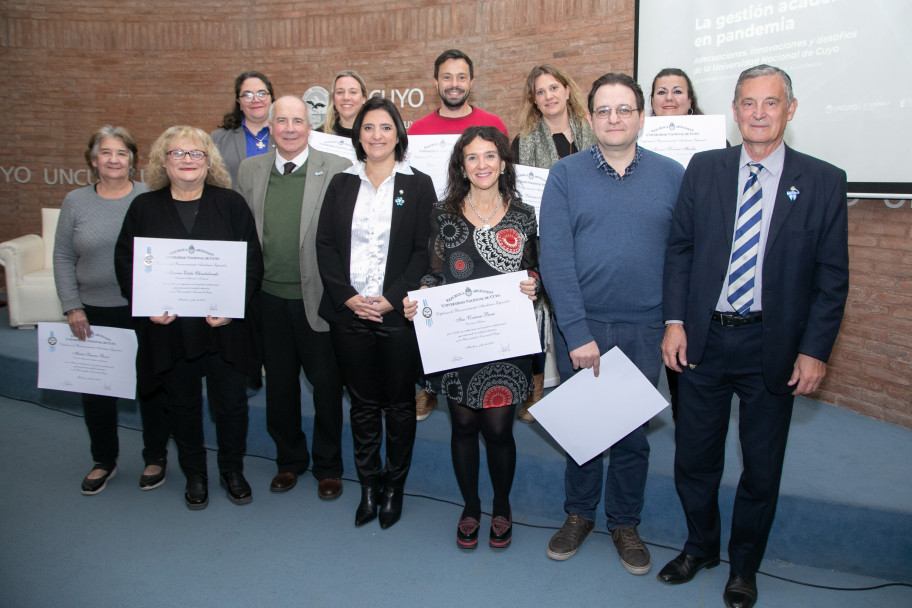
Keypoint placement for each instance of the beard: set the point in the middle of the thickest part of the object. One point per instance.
(453, 105)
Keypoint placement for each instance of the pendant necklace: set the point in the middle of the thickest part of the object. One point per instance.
(259, 144)
(487, 225)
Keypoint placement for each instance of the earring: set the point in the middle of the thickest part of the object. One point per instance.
(501, 171)
(464, 176)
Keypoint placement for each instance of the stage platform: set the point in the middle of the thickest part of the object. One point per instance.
(846, 498)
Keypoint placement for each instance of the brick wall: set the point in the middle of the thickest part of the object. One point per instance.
(71, 67)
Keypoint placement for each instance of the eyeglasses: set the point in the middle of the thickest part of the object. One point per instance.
(248, 96)
(193, 154)
(621, 111)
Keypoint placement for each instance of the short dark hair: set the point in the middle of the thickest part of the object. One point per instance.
(458, 184)
(380, 103)
(232, 120)
(621, 79)
(453, 54)
(691, 94)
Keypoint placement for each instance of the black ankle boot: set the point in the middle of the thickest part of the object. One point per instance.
(370, 502)
(390, 507)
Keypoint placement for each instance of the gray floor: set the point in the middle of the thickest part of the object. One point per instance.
(124, 547)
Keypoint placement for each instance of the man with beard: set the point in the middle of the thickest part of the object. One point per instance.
(453, 78)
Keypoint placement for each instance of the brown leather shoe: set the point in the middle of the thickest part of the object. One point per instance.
(329, 488)
(283, 482)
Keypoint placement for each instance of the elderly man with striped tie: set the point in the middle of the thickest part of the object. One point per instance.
(756, 278)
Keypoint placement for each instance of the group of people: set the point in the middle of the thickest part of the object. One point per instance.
(733, 273)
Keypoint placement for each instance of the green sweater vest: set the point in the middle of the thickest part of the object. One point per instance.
(282, 233)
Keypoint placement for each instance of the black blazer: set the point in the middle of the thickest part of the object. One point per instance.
(406, 260)
(805, 264)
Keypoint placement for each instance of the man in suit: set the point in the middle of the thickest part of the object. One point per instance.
(755, 283)
(285, 189)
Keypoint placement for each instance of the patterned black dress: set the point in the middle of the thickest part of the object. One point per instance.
(459, 251)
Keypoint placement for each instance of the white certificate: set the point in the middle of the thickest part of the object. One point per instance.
(680, 137)
(587, 415)
(189, 278)
(475, 322)
(431, 154)
(104, 364)
(333, 144)
(530, 181)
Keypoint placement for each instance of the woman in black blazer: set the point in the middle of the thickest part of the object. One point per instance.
(371, 249)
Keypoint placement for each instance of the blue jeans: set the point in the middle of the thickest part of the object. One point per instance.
(629, 458)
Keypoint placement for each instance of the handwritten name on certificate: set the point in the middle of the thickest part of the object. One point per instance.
(104, 364)
(530, 181)
(474, 322)
(680, 137)
(189, 278)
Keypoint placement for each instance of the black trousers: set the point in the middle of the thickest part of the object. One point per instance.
(290, 345)
(226, 390)
(731, 364)
(101, 411)
(379, 365)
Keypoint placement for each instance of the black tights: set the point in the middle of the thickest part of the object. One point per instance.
(496, 426)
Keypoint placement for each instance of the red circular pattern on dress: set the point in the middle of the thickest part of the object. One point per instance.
(509, 239)
(497, 396)
(459, 265)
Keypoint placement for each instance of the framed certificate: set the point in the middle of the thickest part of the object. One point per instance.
(475, 322)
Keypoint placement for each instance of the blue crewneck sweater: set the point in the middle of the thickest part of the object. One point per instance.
(603, 241)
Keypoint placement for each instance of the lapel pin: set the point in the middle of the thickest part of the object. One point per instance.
(318, 173)
(792, 193)
(399, 200)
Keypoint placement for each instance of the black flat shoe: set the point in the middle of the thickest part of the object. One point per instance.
(740, 592)
(239, 491)
(91, 487)
(370, 503)
(390, 507)
(197, 493)
(684, 567)
(501, 532)
(150, 482)
(467, 533)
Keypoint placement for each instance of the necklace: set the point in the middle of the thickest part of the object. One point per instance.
(487, 225)
(260, 145)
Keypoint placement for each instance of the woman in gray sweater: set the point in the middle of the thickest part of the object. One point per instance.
(90, 221)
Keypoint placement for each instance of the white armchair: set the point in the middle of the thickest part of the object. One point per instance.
(30, 290)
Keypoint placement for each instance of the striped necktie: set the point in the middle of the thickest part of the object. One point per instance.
(743, 267)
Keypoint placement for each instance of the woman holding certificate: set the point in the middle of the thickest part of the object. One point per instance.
(90, 220)
(191, 200)
(371, 249)
(553, 125)
(482, 229)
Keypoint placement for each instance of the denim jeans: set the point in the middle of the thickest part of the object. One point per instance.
(629, 458)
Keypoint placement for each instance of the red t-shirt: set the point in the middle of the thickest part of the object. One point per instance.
(435, 124)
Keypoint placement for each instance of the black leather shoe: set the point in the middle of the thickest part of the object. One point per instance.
(390, 507)
(740, 592)
(91, 487)
(684, 567)
(239, 491)
(150, 482)
(370, 503)
(197, 493)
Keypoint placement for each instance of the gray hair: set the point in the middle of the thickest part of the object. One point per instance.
(765, 70)
(102, 133)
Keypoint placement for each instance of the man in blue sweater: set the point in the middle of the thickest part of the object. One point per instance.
(605, 218)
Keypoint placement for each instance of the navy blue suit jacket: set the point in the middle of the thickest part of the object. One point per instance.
(805, 268)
